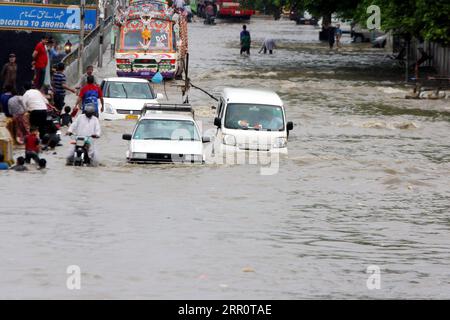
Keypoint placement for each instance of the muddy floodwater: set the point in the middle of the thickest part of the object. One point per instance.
(366, 183)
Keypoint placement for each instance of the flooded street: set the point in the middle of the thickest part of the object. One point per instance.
(366, 182)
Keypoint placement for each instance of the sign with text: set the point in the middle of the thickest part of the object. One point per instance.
(45, 18)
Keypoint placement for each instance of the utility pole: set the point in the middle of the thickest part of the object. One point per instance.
(101, 8)
(81, 44)
(113, 28)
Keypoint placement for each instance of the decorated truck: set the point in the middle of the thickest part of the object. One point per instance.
(151, 38)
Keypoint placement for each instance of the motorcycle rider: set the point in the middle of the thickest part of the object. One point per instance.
(86, 125)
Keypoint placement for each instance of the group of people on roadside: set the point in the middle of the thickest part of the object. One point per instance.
(36, 113)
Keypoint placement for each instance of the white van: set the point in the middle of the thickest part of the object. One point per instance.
(251, 120)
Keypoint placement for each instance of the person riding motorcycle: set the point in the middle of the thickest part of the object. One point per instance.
(86, 125)
(209, 13)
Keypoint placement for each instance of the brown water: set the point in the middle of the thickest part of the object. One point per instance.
(366, 183)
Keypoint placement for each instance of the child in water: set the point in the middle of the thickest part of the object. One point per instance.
(66, 117)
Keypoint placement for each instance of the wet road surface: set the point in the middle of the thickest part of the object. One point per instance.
(366, 183)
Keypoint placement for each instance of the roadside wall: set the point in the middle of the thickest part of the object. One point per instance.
(90, 52)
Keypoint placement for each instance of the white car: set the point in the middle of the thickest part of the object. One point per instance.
(125, 97)
(166, 133)
(251, 120)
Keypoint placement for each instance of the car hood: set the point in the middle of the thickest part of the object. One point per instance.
(128, 104)
(167, 146)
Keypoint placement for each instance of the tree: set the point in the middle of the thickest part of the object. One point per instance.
(423, 19)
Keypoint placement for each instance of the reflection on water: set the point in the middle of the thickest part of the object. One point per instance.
(365, 183)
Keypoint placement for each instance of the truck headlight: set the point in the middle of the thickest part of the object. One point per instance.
(280, 143)
(139, 155)
(229, 140)
(108, 108)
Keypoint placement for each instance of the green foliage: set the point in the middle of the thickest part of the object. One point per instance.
(424, 19)
(427, 19)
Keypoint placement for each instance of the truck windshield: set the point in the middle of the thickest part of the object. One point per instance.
(161, 129)
(159, 36)
(254, 117)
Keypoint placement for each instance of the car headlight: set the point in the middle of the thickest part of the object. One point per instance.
(229, 140)
(108, 108)
(280, 142)
(139, 155)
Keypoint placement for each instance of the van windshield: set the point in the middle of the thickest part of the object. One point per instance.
(254, 117)
(162, 129)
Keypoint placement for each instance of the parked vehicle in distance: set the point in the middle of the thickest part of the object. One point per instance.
(251, 120)
(294, 13)
(225, 9)
(125, 97)
(166, 133)
(306, 18)
(359, 34)
(346, 24)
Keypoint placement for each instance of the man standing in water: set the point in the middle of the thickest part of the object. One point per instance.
(331, 34)
(245, 40)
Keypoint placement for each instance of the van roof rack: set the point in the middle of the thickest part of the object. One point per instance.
(185, 107)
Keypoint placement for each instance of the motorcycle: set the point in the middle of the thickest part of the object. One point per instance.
(211, 20)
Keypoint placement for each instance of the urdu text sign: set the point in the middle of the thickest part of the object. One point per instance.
(45, 18)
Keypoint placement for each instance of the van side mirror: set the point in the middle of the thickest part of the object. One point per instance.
(206, 139)
(159, 96)
(126, 136)
(217, 122)
(289, 126)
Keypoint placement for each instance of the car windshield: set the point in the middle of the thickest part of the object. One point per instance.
(129, 90)
(161, 129)
(254, 117)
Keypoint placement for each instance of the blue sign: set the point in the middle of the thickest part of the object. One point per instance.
(45, 18)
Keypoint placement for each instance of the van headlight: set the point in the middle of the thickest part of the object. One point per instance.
(108, 108)
(139, 155)
(280, 142)
(229, 140)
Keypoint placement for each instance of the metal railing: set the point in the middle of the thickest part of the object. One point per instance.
(73, 56)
